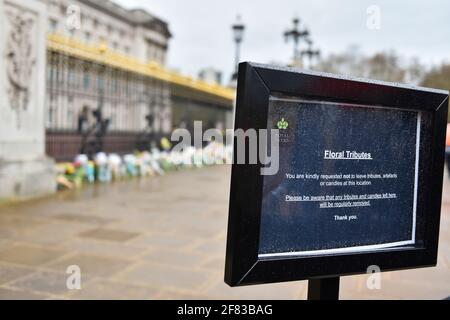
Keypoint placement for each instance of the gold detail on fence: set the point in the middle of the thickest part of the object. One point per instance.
(100, 53)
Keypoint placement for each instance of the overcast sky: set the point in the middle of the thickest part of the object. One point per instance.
(203, 38)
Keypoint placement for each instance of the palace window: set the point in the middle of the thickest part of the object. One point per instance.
(71, 77)
(70, 119)
(86, 79)
(100, 82)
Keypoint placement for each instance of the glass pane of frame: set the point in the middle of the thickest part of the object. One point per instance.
(347, 180)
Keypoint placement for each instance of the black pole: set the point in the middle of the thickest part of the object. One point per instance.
(237, 56)
(236, 60)
(323, 289)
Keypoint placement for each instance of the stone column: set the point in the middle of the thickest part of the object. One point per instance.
(25, 171)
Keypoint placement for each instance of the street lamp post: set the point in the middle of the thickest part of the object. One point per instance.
(310, 53)
(296, 34)
(238, 34)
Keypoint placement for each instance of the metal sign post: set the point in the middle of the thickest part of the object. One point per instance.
(323, 289)
(358, 181)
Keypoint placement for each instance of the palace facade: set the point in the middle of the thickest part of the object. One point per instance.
(108, 87)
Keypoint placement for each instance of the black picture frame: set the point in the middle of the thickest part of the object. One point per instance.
(256, 82)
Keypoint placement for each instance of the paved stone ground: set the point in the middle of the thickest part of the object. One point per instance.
(158, 238)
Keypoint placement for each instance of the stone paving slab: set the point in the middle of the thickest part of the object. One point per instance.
(42, 282)
(167, 277)
(159, 238)
(92, 265)
(188, 260)
(14, 294)
(10, 273)
(110, 290)
(83, 218)
(29, 255)
(104, 248)
(109, 235)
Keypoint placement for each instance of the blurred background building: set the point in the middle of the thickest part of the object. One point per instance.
(108, 88)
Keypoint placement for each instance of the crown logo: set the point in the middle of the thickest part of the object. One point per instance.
(282, 124)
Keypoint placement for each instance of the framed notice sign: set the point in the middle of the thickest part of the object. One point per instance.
(357, 180)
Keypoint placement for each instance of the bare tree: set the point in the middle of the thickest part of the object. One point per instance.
(438, 78)
(387, 66)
